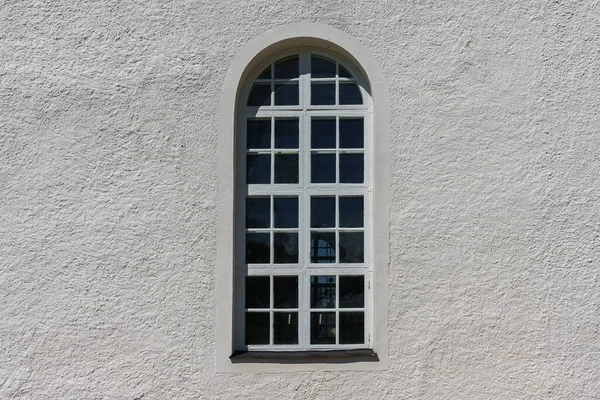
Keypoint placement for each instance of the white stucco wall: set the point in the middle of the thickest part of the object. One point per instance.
(108, 188)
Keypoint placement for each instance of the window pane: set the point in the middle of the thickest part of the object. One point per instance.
(322, 133)
(352, 327)
(285, 246)
(286, 291)
(286, 168)
(258, 291)
(322, 212)
(350, 93)
(287, 68)
(321, 68)
(286, 133)
(286, 94)
(322, 247)
(322, 93)
(258, 134)
(258, 212)
(257, 248)
(351, 247)
(322, 328)
(285, 328)
(286, 212)
(258, 168)
(257, 328)
(322, 168)
(351, 168)
(351, 212)
(266, 74)
(322, 291)
(260, 95)
(344, 73)
(352, 133)
(352, 291)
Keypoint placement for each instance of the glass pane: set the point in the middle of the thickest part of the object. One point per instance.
(285, 246)
(257, 328)
(260, 95)
(258, 168)
(351, 247)
(286, 168)
(285, 212)
(321, 68)
(286, 133)
(322, 93)
(286, 291)
(286, 94)
(322, 247)
(322, 328)
(258, 134)
(258, 291)
(257, 248)
(352, 133)
(322, 133)
(266, 74)
(258, 212)
(352, 291)
(287, 68)
(352, 327)
(285, 328)
(322, 291)
(351, 212)
(322, 168)
(351, 168)
(344, 73)
(350, 93)
(322, 212)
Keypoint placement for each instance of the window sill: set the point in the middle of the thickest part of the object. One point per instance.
(304, 357)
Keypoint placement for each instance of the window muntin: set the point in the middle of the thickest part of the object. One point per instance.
(313, 152)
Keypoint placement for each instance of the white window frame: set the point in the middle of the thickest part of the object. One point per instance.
(263, 47)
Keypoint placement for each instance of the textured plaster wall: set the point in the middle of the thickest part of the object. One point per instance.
(108, 191)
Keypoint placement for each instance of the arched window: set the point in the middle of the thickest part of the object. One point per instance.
(303, 202)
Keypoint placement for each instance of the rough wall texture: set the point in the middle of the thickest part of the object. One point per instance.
(108, 188)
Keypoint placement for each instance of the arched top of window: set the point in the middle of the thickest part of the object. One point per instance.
(306, 78)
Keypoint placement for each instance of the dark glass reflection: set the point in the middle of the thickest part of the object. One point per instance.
(287, 68)
(260, 95)
(322, 212)
(258, 168)
(286, 94)
(258, 291)
(350, 93)
(321, 68)
(351, 212)
(258, 133)
(352, 247)
(266, 74)
(352, 133)
(258, 212)
(257, 328)
(322, 328)
(322, 94)
(286, 168)
(322, 133)
(352, 327)
(286, 133)
(344, 73)
(352, 168)
(322, 247)
(352, 291)
(285, 248)
(285, 328)
(322, 291)
(285, 290)
(285, 210)
(322, 168)
(257, 248)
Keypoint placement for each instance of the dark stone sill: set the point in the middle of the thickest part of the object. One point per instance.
(305, 357)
